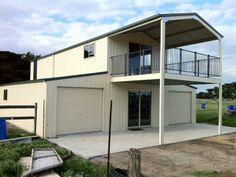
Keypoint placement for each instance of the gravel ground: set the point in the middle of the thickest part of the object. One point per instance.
(181, 159)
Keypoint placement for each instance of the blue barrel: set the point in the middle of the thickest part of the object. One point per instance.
(203, 105)
(231, 108)
(3, 129)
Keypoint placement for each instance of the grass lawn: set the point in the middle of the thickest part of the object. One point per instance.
(14, 132)
(10, 155)
(210, 114)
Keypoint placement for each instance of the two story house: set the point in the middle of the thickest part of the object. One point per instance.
(142, 67)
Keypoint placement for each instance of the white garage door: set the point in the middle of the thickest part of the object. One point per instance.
(179, 107)
(79, 110)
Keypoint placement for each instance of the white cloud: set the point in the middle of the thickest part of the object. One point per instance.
(43, 26)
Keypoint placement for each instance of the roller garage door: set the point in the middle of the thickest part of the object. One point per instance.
(78, 110)
(179, 107)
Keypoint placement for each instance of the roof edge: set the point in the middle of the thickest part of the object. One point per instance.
(153, 17)
(74, 76)
(53, 78)
(23, 82)
(191, 87)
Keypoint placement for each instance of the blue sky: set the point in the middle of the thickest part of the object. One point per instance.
(43, 26)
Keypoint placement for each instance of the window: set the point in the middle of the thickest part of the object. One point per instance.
(5, 94)
(89, 50)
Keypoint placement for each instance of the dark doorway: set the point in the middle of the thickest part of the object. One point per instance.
(139, 113)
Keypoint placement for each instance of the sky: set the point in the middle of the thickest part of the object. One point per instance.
(45, 26)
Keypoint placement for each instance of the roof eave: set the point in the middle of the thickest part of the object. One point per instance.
(135, 25)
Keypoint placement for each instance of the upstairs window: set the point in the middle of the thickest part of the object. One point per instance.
(5, 94)
(89, 50)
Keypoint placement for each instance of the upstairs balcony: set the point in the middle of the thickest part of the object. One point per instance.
(178, 62)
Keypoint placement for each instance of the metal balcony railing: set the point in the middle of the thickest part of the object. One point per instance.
(178, 61)
(181, 61)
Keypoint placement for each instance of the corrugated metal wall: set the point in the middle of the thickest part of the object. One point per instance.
(25, 94)
(96, 81)
(72, 62)
(119, 45)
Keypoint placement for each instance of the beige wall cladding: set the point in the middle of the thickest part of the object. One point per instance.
(101, 81)
(120, 103)
(25, 94)
(119, 45)
(72, 62)
(45, 67)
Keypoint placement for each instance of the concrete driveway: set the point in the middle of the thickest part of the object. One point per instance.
(90, 145)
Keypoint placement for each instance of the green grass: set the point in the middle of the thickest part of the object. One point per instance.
(10, 155)
(210, 114)
(205, 173)
(15, 132)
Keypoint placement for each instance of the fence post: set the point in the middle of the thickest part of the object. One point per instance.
(35, 117)
(109, 141)
(126, 64)
(195, 63)
(134, 167)
(208, 65)
(180, 60)
(198, 68)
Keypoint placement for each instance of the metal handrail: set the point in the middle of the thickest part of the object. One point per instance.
(179, 58)
(139, 51)
(191, 61)
(186, 50)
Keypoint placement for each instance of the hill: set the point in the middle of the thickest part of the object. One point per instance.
(13, 67)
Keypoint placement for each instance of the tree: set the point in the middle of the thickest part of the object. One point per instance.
(15, 67)
(30, 56)
(228, 92)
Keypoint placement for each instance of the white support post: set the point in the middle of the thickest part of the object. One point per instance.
(220, 87)
(162, 82)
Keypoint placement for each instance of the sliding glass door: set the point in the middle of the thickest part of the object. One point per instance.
(139, 113)
(139, 59)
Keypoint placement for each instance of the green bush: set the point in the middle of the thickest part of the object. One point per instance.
(77, 164)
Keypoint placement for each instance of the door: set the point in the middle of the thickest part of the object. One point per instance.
(139, 113)
(139, 59)
(78, 110)
(146, 56)
(134, 58)
(179, 107)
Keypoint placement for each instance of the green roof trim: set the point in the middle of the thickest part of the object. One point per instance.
(192, 87)
(23, 82)
(53, 79)
(74, 76)
(130, 26)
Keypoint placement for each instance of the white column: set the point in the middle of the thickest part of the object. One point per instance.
(162, 82)
(220, 87)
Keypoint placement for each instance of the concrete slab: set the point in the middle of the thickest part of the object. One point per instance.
(89, 145)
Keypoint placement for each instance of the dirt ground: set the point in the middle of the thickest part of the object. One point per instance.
(182, 159)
